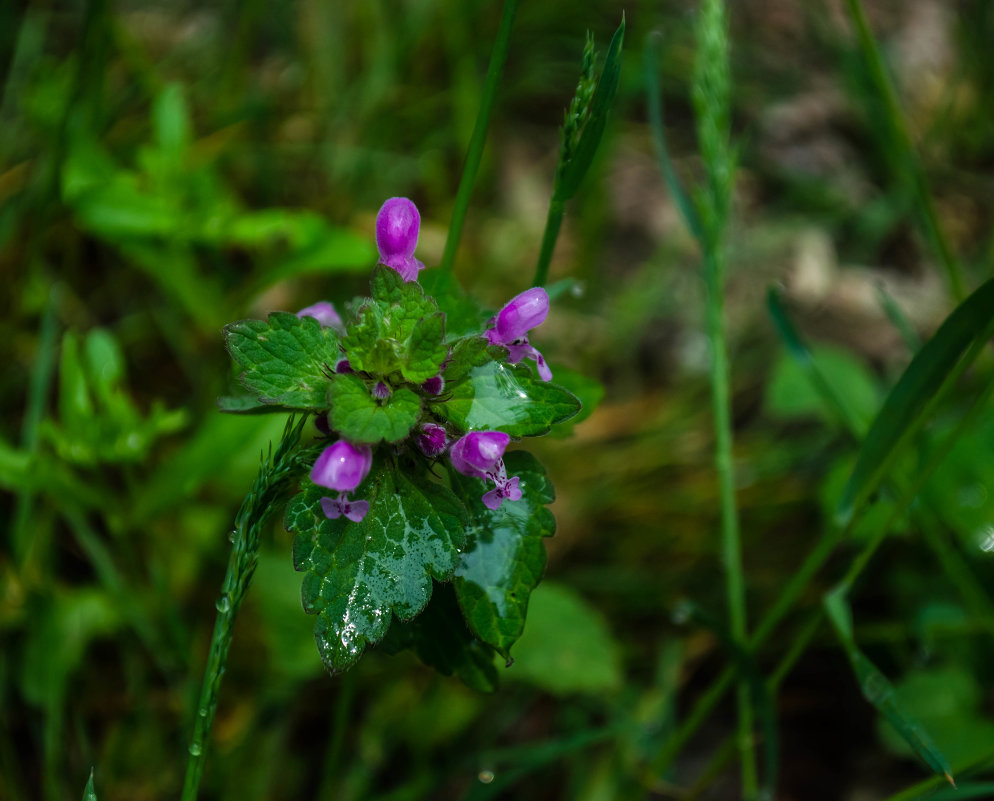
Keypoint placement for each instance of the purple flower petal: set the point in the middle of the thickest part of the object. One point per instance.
(397, 227)
(342, 466)
(432, 440)
(356, 510)
(325, 314)
(332, 508)
(479, 452)
(521, 314)
(493, 499)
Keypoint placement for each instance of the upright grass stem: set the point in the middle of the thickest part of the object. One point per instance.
(276, 478)
(908, 166)
(475, 152)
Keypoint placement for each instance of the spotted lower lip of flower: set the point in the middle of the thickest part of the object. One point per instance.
(342, 466)
(342, 506)
(510, 327)
(325, 314)
(480, 454)
(397, 226)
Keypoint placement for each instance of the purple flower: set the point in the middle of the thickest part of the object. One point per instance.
(480, 454)
(432, 440)
(337, 507)
(343, 366)
(511, 326)
(434, 385)
(382, 391)
(343, 467)
(325, 314)
(397, 226)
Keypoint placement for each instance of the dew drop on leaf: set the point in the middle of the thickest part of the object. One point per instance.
(485, 776)
(223, 604)
(194, 749)
(986, 539)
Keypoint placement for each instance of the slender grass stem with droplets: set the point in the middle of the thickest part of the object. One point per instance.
(276, 479)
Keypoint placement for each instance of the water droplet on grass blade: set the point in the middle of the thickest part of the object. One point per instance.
(485, 776)
(194, 749)
(223, 603)
(986, 539)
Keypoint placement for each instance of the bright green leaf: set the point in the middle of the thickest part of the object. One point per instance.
(505, 397)
(360, 417)
(287, 359)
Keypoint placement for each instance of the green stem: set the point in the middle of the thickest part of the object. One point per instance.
(277, 476)
(552, 224)
(475, 153)
(906, 155)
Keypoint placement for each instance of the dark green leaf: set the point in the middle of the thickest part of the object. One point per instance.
(504, 556)
(905, 409)
(357, 574)
(245, 404)
(360, 417)
(441, 640)
(463, 314)
(506, 397)
(426, 349)
(287, 359)
(593, 130)
(467, 353)
(878, 690)
(387, 285)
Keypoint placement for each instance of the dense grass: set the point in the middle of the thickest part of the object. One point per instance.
(168, 168)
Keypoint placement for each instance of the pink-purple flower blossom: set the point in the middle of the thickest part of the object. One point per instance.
(432, 440)
(481, 454)
(343, 467)
(511, 326)
(397, 227)
(324, 313)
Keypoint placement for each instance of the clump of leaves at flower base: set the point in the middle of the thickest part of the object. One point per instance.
(413, 487)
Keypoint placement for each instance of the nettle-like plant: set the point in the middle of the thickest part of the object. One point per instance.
(416, 400)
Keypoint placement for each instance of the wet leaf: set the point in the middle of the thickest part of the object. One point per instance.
(504, 557)
(357, 575)
(506, 397)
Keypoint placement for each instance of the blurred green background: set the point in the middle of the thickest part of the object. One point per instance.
(166, 168)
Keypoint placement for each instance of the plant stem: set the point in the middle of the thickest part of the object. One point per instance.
(552, 224)
(906, 159)
(475, 153)
(277, 476)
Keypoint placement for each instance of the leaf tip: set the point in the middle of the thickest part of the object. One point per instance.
(949, 778)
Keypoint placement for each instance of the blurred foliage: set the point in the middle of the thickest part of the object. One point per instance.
(167, 168)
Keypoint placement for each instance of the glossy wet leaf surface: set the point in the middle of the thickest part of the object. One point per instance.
(287, 359)
(504, 557)
(358, 575)
(505, 397)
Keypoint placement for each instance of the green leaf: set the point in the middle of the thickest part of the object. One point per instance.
(400, 330)
(245, 404)
(589, 391)
(567, 645)
(171, 122)
(593, 129)
(357, 574)
(925, 380)
(506, 397)
(504, 555)
(287, 359)
(89, 794)
(467, 353)
(878, 690)
(441, 639)
(360, 417)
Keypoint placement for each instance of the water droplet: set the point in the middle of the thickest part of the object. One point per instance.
(203, 712)
(194, 749)
(986, 538)
(231, 537)
(485, 776)
(223, 603)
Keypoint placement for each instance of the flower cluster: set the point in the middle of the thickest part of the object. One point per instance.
(344, 465)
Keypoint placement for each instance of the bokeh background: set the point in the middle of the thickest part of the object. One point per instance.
(168, 167)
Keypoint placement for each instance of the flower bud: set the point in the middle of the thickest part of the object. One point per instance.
(342, 466)
(434, 385)
(479, 452)
(522, 313)
(397, 226)
(432, 440)
(325, 314)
